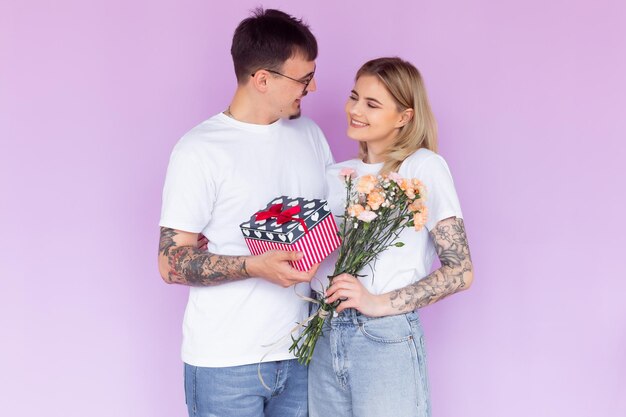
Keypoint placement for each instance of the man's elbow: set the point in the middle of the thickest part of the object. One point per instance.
(468, 276)
(164, 270)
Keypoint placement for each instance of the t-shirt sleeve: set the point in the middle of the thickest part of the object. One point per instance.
(327, 154)
(188, 194)
(441, 197)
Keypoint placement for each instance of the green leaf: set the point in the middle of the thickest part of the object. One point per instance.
(398, 244)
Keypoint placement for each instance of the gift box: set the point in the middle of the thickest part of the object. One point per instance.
(293, 224)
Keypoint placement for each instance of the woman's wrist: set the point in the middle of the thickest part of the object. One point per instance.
(381, 305)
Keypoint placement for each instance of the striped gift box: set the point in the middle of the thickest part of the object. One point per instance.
(293, 224)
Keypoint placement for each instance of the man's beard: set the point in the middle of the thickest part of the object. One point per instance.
(297, 115)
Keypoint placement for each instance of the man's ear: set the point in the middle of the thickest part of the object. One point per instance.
(405, 117)
(259, 80)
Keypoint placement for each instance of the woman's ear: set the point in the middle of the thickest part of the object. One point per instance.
(405, 117)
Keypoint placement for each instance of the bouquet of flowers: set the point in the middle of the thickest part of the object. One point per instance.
(377, 210)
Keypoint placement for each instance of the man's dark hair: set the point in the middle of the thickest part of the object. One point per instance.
(267, 39)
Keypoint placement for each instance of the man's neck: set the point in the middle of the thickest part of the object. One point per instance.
(244, 109)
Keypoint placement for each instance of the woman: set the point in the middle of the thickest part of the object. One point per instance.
(370, 360)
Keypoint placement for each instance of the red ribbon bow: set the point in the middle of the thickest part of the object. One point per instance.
(282, 216)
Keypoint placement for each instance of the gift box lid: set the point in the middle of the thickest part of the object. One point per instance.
(311, 211)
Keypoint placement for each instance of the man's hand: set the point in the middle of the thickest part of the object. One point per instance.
(274, 267)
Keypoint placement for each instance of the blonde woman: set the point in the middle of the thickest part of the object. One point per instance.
(371, 359)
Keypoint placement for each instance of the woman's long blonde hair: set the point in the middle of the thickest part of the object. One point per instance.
(405, 84)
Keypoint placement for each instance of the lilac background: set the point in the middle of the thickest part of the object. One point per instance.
(531, 101)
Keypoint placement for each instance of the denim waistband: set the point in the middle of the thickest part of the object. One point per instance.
(353, 316)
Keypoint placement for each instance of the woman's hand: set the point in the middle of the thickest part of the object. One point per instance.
(354, 295)
(202, 242)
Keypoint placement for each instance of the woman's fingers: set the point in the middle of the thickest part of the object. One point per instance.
(345, 304)
(344, 278)
(343, 294)
(339, 286)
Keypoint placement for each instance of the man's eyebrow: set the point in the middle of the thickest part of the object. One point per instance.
(309, 74)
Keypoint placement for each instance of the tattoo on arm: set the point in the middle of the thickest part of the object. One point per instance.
(455, 274)
(191, 266)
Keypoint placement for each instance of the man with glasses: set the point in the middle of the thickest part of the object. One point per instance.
(220, 173)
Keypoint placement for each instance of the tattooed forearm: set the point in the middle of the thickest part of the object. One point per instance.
(167, 240)
(455, 274)
(189, 265)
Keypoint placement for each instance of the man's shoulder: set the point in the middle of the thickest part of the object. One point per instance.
(204, 133)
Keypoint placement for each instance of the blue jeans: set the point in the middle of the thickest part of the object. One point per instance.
(369, 367)
(236, 391)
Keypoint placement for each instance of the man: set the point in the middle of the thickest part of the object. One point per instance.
(220, 173)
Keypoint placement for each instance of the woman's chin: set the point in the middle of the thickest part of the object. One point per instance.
(354, 135)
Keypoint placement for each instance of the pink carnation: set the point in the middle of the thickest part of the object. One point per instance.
(367, 216)
(347, 172)
(394, 176)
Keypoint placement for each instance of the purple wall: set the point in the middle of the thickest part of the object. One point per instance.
(531, 101)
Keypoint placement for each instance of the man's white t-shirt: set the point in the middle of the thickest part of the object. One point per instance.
(398, 267)
(220, 173)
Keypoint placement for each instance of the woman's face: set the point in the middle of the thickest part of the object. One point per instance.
(373, 116)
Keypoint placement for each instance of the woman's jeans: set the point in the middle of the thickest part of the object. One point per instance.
(236, 391)
(369, 367)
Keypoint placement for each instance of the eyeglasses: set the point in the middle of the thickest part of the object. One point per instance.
(306, 81)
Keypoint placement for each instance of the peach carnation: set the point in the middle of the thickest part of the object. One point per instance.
(375, 199)
(420, 187)
(366, 184)
(420, 218)
(355, 210)
(416, 205)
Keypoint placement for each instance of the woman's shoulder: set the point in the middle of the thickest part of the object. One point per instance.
(336, 167)
(421, 159)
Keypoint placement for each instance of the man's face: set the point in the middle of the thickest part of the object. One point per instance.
(289, 85)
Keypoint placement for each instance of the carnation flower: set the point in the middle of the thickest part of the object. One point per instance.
(366, 184)
(416, 205)
(420, 187)
(419, 218)
(375, 199)
(394, 176)
(367, 216)
(355, 210)
(347, 173)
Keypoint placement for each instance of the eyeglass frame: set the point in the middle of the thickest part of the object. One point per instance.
(305, 83)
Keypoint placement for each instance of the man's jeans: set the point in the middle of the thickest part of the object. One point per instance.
(369, 367)
(236, 391)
